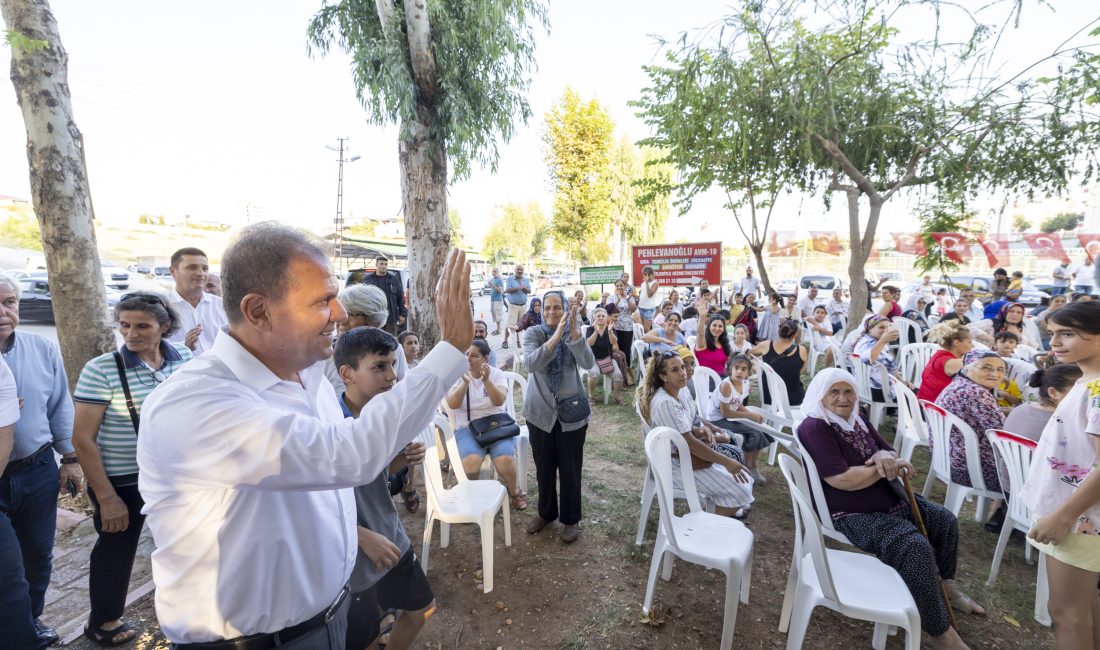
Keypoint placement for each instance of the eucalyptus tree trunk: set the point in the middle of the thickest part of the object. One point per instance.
(423, 157)
(758, 253)
(59, 183)
(427, 230)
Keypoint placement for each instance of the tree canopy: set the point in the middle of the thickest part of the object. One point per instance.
(484, 56)
(856, 109)
(518, 233)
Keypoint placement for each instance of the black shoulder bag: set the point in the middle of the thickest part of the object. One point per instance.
(491, 428)
(126, 391)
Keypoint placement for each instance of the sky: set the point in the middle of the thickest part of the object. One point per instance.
(217, 110)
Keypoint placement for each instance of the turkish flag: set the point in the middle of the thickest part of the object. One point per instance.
(782, 243)
(1045, 246)
(996, 249)
(1091, 244)
(909, 242)
(954, 245)
(825, 242)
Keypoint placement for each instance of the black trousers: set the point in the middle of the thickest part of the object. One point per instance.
(112, 556)
(558, 457)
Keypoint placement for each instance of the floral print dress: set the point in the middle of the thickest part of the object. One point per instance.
(977, 407)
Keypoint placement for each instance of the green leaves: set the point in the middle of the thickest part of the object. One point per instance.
(19, 41)
(484, 54)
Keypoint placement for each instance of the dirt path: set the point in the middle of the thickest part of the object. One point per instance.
(589, 595)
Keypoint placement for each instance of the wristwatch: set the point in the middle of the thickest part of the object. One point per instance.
(70, 461)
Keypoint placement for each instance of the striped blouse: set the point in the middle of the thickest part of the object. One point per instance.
(99, 384)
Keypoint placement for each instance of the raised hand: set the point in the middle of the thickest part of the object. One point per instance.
(452, 306)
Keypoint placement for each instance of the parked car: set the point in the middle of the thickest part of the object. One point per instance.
(477, 284)
(17, 274)
(140, 269)
(114, 275)
(824, 283)
(36, 303)
(907, 291)
(981, 285)
(787, 288)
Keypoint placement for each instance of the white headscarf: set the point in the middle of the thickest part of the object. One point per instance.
(911, 303)
(812, 406)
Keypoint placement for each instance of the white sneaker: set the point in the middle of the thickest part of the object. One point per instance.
(758, 477)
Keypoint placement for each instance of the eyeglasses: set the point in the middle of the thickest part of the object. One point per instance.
(997, 371)
(147, 298)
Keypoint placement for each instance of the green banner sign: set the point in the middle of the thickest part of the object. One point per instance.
(600, 274)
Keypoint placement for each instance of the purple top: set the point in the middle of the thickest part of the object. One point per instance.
(834, 451)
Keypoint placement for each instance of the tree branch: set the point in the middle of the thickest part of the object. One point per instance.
(861, 181)
(385, 15)
(420, 47)
(910, 173)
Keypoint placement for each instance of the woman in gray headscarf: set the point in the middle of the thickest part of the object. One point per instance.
(557, 411)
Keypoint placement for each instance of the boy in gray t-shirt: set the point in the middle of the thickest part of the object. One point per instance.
(386, 574)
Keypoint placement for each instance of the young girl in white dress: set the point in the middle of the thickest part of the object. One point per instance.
(1063, 484)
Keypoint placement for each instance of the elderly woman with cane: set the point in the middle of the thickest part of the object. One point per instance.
(858, 469)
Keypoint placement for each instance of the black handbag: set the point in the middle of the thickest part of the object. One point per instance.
(574, 409)
(491, 428)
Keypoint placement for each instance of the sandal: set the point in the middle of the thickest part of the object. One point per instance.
(386, 628)
(106, 638)
(519, 501)
(412, 500)
(963, 603)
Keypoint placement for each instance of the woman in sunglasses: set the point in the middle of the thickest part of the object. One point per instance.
(105, 431)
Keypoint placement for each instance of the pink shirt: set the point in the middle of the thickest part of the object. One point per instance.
(713, 359)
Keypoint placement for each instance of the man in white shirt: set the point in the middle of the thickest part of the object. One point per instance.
(1083, 280)
(749, 284)
(1060, 275)
(807, 303)
(247, 462)
(835, 309)
(926, 288)
(201, 313)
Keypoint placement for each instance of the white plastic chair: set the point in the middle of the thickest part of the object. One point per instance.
(649, 488)
(1014, 454)
(1020, 371)
(523, 440)
(637, 356)
(706, 383)
(468, 502)
(912, 429)
(933, 320)
(1031, 328)
(913, 358)
(838, 354)
(778, 413)
(699, 537)
(852, 584)
(862, 372)
(608, 385)
(909, 331)
(690, 342)
(940, 422)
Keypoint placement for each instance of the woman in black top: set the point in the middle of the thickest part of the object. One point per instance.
(787, 358)
(961, 313)
(601, 338)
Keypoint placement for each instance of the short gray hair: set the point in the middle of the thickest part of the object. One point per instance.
(13, 283)
(365, 300)
(258, 261)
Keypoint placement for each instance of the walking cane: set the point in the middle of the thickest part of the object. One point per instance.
(917, 519)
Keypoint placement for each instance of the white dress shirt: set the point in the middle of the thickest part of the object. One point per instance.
(240, 472)
(9, 396)
(750, 285)
(807, 305)
(209, 313)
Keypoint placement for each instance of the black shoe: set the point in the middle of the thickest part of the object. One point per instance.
(536, 524)
(996, 521)
(47, 634)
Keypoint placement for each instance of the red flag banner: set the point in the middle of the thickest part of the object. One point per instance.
(954, 246)
(909, 242)
(1045, 246)
(825, 242)
(996, 249)
(1090, 242)
(782, 243)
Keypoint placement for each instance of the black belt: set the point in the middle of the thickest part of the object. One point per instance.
(17, 466)
(273, 639)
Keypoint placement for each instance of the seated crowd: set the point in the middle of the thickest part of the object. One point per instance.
(565, 347)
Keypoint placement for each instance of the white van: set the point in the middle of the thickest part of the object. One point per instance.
(825, 284)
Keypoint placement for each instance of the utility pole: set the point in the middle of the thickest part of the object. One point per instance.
(338, 222)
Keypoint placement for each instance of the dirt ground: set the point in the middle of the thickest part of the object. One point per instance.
(589, 595)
